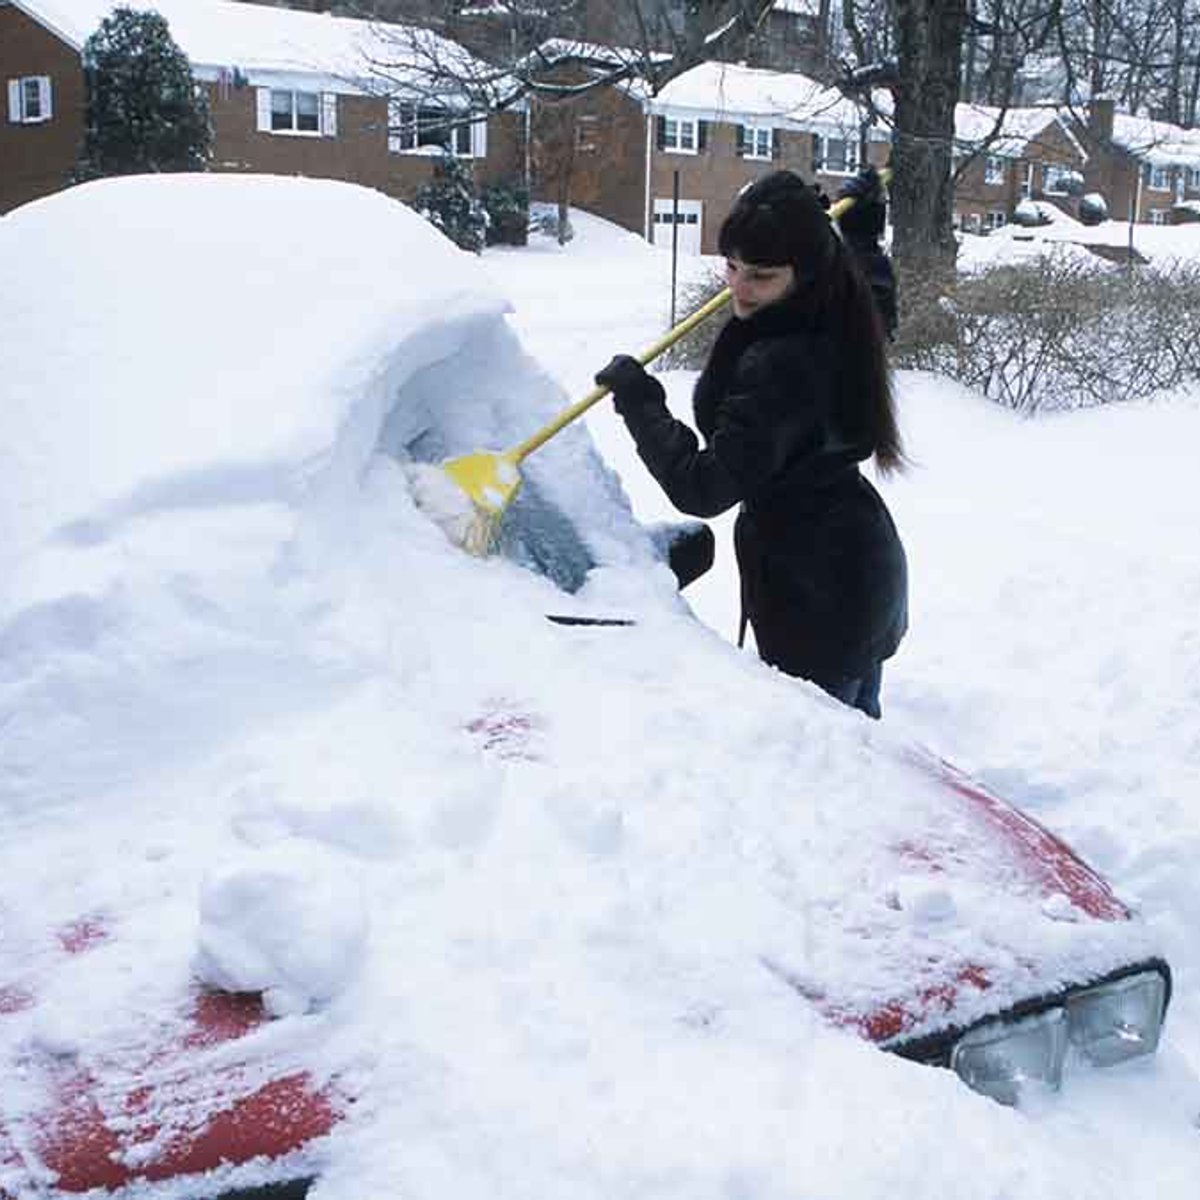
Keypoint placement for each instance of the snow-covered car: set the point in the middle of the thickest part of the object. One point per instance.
(314, 824)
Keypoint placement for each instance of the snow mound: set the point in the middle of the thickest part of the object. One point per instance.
(287, 922)
(254, 361)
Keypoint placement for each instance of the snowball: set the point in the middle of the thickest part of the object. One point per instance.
(288, 921)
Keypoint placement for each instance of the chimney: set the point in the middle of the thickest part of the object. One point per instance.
(1100, 118)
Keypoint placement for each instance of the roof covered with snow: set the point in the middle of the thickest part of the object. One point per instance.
(1018, 131)
(257, 38)
(730, 92)
(1157, 142)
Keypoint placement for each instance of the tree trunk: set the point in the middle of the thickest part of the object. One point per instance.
(929, 42)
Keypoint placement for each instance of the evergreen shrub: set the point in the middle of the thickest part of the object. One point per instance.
(449, 202)
(144, 112)
(507, 207)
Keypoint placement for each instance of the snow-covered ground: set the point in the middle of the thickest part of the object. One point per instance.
(247, 688)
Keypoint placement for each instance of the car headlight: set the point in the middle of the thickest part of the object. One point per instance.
(1105, 1024)
(1119, 1020)
(1003, 1058)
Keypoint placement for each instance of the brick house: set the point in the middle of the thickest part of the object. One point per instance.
(590, 150)
(720, 126)
(1018, 153)
(290, 92)
(1144, 169)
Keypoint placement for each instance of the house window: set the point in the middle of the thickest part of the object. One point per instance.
(993, 171)
(29, 101)
(1158, 216)
(1158, 178)
(586, 139)
(837, 156)
(1055, 178)
(308, 114)
(421, 128)
(756, 141)
(296, 111)
(994, 219)
(1194, 178)
(679, 136)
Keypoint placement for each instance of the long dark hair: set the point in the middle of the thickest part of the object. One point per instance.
(778, 220)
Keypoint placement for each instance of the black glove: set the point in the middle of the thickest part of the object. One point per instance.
(864, 220)
(629, 383)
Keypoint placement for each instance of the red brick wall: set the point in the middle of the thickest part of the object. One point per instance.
(975, 197)
(608, 172)
(37, 159)
(358, 154)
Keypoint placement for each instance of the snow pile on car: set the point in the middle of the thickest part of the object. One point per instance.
(567, 881)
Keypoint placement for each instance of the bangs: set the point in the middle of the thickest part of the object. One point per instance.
(751, 232)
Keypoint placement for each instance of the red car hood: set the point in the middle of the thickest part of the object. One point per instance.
(979, 910)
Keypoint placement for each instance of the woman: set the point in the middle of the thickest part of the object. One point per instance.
(795, 394)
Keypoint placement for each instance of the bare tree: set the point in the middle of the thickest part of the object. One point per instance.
(929, 44)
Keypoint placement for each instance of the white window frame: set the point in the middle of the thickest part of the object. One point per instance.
(681, 135)
(1158, 178)
(994, 218)
(1053, 176)
(1158, 216)
(326, 115)
(759, 142)
(428, 129)
(850, 161)
(993, 170)
(22, 91)
(1193, 178)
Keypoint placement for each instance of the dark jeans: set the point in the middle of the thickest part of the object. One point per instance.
(861, 693)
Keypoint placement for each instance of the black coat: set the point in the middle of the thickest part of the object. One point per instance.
(824, 580)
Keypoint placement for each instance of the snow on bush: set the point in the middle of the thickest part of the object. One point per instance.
(1059, 332)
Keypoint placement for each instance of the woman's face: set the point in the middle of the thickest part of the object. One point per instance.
(753, 286)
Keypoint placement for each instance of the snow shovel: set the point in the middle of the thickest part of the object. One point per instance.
(491, 479)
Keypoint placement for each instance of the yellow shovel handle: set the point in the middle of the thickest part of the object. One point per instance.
(647, 356)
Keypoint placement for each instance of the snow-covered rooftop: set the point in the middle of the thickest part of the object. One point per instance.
(731, 92)
(258, 38)
(1019, 132)
(1157, 142)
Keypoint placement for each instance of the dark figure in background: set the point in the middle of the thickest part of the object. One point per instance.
(795, 394)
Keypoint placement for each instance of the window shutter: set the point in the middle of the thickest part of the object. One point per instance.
(479, 138)
(817, 159)
(329, 114)
(660, 132)
(264, 110)
(14, 101)
(701, 135)
(741, 140)
(44, 96)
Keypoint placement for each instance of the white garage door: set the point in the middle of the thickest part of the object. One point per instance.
(690, 224)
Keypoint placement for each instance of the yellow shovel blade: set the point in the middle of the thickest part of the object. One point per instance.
(490, 480)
